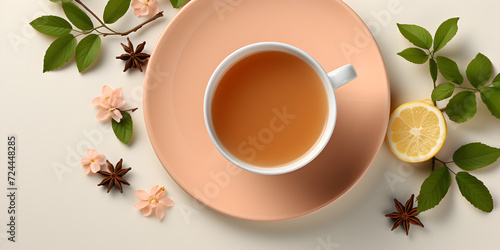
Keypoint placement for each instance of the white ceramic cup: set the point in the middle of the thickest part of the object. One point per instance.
(331, 81)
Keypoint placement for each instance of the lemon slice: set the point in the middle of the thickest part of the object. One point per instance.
(417, 131)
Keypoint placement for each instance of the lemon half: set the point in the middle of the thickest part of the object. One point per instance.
(417, 131)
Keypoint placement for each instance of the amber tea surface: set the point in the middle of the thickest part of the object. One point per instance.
(269, 109)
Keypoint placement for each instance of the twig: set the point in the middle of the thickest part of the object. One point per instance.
(487, 85)
(443, 162)
(158, 15)
(450, 170)
(129, 110)
(466, 88)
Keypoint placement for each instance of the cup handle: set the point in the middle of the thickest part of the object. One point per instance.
(342, 75)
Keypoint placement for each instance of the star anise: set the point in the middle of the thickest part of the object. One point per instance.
(115, 176)
(405, 215)
(135, 59)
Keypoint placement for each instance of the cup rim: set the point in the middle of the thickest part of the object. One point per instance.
(242, 53)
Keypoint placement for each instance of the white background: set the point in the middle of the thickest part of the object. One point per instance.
(50, 113)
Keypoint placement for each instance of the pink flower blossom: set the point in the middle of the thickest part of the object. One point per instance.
(110, 102)
(112, 109)
(93, 161)
(156, 200)
(107, 92)
(144, 7)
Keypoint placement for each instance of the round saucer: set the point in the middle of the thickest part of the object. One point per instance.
(198, 38)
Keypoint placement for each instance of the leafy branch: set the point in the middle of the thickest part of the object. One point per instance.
(86, 51)
(461, 108)
(468, 157)
(111, 18)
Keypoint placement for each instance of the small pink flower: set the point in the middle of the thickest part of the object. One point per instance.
(110, 102)
(107, 92)
(112, 109)
(93, 161)
(144, 7)
(157, 200)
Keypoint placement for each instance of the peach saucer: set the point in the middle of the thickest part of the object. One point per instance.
(200, 36)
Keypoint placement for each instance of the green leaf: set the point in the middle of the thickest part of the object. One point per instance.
(475, 155)
(474, 191)
(59, 52)
(433, 69)
(433, 189)
(125, 129)
(442, 91)
(491, 97)
(77, 16)
(87, 51)
(446, 31)
(496, 81)
(414, 55)
(178, 3)
(51, 25)
(462, 107)
(479, 71)
(449, 70)
(115, 9)
(417, 35)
